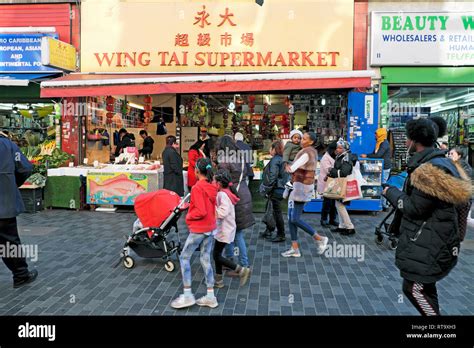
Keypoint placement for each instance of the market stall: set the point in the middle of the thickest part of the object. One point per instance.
(104, 184)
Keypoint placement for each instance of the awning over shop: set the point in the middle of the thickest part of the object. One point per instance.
(82, 85)
(21, 80)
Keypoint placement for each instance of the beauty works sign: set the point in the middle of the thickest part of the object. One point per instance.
(216, 36)
(422, 38)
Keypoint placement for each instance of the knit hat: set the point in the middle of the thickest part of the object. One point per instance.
(345, 145)
(296, 131)
(239, 136)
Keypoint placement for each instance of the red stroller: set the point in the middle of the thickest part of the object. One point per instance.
(158, 212)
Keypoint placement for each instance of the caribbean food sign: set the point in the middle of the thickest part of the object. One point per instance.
(216, 36)
(422, 38)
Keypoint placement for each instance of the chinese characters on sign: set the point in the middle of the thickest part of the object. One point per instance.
(205, 39)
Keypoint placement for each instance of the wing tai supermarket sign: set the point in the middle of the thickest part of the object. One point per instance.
(216, 36)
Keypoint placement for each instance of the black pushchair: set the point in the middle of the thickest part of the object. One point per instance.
(158, 214)
(385, 227)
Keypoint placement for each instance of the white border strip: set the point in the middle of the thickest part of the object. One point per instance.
(14, 82)
(24, 30)
(210, 78)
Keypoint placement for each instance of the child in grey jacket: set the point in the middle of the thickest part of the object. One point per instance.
(292, 147)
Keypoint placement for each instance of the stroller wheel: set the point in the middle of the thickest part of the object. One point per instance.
(378, 239)
(128, 262)
(393, 244)
(169, 266)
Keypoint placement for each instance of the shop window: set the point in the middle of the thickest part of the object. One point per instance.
(163, 113)
(454, 104)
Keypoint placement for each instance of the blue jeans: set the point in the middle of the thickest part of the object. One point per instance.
(295, 210)
(192, 242)
(240, 251)
(386, 174)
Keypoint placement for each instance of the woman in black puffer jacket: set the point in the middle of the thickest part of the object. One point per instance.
(244, 217)
(429, 238)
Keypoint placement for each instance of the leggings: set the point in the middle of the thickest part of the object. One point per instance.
(423, 296)
(221, 260)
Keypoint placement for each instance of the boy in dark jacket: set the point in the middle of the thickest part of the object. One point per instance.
(429, 237)
(14, 170)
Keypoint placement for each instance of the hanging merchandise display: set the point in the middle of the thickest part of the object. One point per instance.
(148, 100)
(110, 107)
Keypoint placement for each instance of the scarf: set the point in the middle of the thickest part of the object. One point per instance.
(381, 135)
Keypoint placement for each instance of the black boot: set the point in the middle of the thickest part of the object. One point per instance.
(31, 277)
(278, 239)
(267, 234)
(325, 224)
(348, 232)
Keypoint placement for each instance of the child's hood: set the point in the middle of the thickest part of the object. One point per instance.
(233, 198)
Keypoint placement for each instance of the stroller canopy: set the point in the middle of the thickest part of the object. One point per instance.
(154, 207)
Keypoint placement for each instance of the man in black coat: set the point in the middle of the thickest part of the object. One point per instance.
(125, 140)
(14, 170)
(148, 142)
(427, 218)
(173, 167)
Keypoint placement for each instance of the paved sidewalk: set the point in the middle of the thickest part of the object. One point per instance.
(78, 249)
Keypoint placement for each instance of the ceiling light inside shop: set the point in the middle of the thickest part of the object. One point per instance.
(323, 101)
(136, 106)
(268, 100)
(31, 110)
(15, 109)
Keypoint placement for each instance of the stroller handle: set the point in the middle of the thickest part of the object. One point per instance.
(184, 200)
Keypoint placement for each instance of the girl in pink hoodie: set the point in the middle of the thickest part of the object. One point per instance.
(227, 198)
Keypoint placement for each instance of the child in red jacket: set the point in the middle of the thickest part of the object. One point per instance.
(201, 221)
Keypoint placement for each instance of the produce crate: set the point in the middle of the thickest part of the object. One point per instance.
(64, 192)
(32, 198)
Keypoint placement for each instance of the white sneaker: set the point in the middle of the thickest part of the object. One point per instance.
(291, 253)
(322, 245)
(208, 302)
(183, 301)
